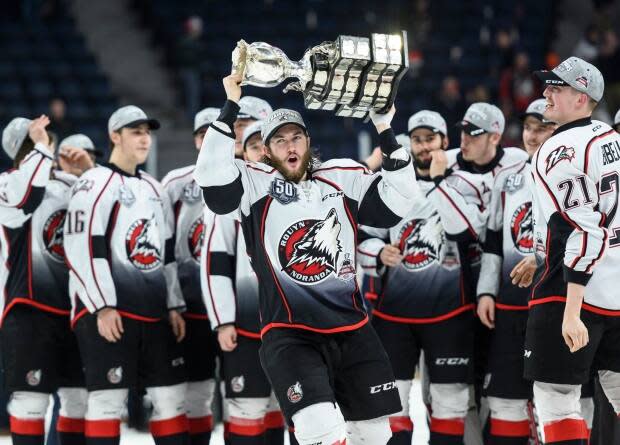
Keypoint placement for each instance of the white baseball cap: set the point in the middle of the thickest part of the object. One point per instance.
(130, 116)
(251, 130)
(482, 117)
(427, 119)
(577, 73)
(280, 118)
(536, 109)
(251, 107)
(80, 140)
(205, 117)
(14, 135)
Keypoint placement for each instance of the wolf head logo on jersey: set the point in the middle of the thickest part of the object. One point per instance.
(309, 249)
(420, 242)
(143, 245)
(557, 155)
(195, 237)
(53, 235)
(522, 228)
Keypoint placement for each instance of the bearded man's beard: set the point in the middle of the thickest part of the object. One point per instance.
(422, 165)
(281, 166)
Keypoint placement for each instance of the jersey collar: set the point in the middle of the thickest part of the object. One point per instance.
(578, 123)
(474, 168)
(114, 168)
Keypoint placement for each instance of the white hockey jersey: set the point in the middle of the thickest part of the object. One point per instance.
(33, 203)
(189, 232)
(302, 237)
(230, 285)
(509, 237)
(119, 246)
(438, 240)
(577, 177)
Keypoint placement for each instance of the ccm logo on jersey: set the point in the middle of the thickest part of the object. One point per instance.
(562, 153)
(451, 361)
(332, 195)
(384, 387)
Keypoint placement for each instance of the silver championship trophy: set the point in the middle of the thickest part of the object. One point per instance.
(351, 75)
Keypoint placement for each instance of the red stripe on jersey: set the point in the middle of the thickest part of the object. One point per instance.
(246, 427)
(363, 252)
(139, 317)
(566, 429)
(587, 151)
(78, 316)
(29, 235)
(175, 178)
(273, 420)
(248, 334)
(102, 428)
(584, 247)
(400, 423)
(69, 425)
(34, 303)
(546, 271)
(275, 278)
(27, 427)
(81, 281)
(508, 428)
(469, 226)
(510, 307)
(200, 425)
(452, 427)
(208, 265)
(603, 244)
(472, 186)
(169, 427)
(586, 306)
(364, 169)
(454, 313)
(248, 165)
(191, 316)
(351, 327)
(90, 238)
(29, 188)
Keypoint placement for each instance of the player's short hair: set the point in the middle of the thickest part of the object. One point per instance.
(592, 103)
(27, 146)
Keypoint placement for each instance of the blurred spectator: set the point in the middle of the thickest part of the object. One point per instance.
(609, 62)
(503, 53)
(450, 105)
(191, 52)
(479, 93)
(420, 22)
(587, 46)
(60, 125)
(516, 86)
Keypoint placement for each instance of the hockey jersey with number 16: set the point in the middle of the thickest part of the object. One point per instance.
(577, 177)
(118, 243)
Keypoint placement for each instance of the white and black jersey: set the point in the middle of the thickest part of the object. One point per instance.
(229, 284)
(302, 237)
(189, 231)
(504, 157)
(509, 236)
(438, 240)
(33, 201)
(577, 178)
(119, 246)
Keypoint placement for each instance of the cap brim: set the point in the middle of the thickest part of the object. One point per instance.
(470, 129)
(245, 116)
(280, 125)
(245, 141)
(427, 127)
(152, 123)
(94, 151)
(549, 78)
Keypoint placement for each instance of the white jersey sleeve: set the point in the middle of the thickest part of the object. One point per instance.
(22, 189)
(373, 240)
(92, 202)
(218, 268)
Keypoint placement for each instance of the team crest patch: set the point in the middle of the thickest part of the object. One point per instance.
(295, 393)
(115, 375)
(53, 235)
(522, 228)
(126, 196)
(557, 155)
(309, 249)
(33, 378)
(347, 270)
(191, 192)
(283, 191)
(195, 238)
(420, 241)
(82, 185)
(514, 182)
(143, 244)
(237, 384)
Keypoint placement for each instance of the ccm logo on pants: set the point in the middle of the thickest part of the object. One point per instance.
(451, 361)
(385, 387)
